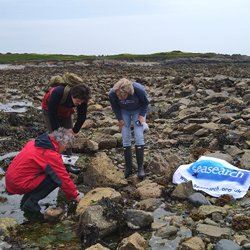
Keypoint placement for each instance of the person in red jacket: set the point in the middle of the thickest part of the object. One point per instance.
(38, 169)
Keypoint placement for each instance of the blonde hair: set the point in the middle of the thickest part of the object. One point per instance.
(125, 87)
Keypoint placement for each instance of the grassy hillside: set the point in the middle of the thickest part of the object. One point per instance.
(20, 58)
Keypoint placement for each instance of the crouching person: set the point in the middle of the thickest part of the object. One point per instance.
(38, 169)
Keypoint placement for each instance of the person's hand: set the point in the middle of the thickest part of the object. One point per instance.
(71, 131)
(72, 175)
(90, 101)
(79, 197)
(121, 124)
(141, 119)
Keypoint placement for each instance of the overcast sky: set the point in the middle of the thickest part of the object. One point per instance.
(106, 27)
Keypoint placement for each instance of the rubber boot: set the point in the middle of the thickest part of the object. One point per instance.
(139, 150)
(128, 161)
(30, 200)
(24, 198)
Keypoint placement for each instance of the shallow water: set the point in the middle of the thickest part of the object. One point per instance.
(18, 107)
(8, 155)
(11, 207)
(158, 243)
(9, 66)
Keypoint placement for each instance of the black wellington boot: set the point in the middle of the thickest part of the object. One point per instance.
(31, 205)
(128, 161)
(139, 150)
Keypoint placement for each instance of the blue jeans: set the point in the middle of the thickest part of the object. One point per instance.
(129, 117)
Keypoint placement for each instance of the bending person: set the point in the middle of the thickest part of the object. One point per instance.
(129, 102)
(38, 169)
(59, 102)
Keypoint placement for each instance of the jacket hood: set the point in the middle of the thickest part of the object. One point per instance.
(43, 141)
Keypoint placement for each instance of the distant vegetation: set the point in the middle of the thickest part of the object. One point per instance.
(21, 58)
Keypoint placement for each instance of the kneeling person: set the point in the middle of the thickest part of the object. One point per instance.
(38, 169)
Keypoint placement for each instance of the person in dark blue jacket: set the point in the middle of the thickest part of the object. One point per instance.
(61, 101)
(59, 114)
(129, 102)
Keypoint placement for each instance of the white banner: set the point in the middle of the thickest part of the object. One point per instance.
(214, 176)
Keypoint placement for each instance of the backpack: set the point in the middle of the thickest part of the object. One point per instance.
(68, 80)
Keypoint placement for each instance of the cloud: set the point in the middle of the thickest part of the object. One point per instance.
(132, 26)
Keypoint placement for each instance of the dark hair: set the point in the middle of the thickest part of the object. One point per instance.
(81, 92)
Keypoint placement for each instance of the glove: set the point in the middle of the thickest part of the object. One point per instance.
(145, 127)
(79, 196)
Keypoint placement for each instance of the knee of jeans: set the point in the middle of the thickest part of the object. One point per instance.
(139, 139)
(139, 136)
(126, 142)
(126, 133)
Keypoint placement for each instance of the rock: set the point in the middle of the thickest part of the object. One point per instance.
(83, 145)
(53, 214)
(6, 224)
(225, 244)
(206, 210)
(97, 246)
(96, 195)
(137, 219)
(221, 156)
(106, 141)
(166, 231)
(133, 242)
(213, 231)
(94, 215)
(183, 190)
(194, 243)
(241, 222)
(245, 160)
(148, 189)
(198, 199)
(102, 172)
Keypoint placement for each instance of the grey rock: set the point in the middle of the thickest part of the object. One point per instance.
(198, 199)
(227, 245)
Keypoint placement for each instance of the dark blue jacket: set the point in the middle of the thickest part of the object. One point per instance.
(54, 101)
(138, 100)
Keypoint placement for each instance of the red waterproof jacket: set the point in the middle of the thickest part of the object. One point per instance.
(61, 110)
(29, 168)
(52, 104)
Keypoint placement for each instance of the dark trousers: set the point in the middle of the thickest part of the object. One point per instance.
(40, 192)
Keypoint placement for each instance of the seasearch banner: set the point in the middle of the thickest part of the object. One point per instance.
(214, 176)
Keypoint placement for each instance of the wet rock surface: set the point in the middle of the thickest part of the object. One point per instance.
(196, 108)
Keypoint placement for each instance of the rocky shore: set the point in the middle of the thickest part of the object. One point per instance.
(196, 108)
